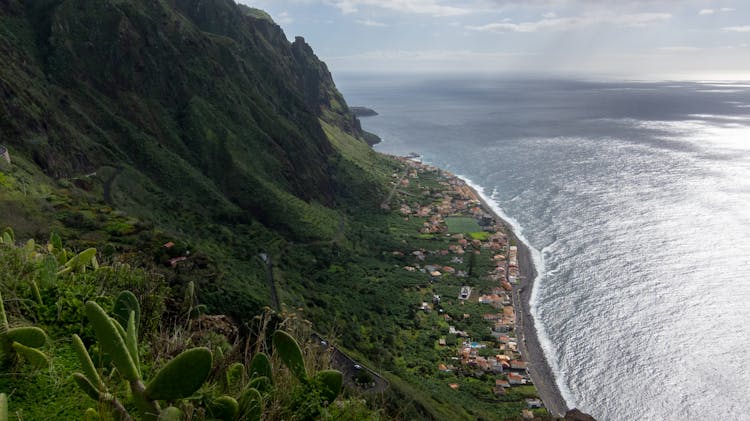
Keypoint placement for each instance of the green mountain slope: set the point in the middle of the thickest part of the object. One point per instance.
(191, 138)
(133, 122)
(210, 107)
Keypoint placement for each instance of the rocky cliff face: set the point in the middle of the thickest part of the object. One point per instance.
(202, 100)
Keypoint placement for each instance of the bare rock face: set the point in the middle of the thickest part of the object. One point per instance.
(577, 415)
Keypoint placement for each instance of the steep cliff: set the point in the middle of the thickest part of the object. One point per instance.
(201, 101)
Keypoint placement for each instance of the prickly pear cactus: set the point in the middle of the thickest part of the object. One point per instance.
(235, 378)
(126, 303)
(224, 408)
(33, 356)
(331, 382)
(171, 414)
(260, 366)
(251, 405)
(29, 336)
(3, 407)
(91, 415)
(80, 261)
(112, 341)
(21, 341)
(182, 376)
(290, 353)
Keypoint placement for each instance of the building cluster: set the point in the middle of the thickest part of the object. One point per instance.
(501, 357)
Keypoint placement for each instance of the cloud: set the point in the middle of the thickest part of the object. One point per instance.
(745, 28)
(427, 61)
(680, 49)
(570, 23)
(370, 22)
(284, 18)
(705, 12)
(426, 7)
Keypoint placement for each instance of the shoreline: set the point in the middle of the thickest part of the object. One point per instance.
(531, 349)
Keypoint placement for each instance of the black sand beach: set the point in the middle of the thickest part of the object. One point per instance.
(528, 341)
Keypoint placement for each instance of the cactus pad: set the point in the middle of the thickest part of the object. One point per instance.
(260, 366)
(111, 341)
(89, 370)
(291, 355)
(3, 407)
(331, 382)
(131, 341)
(34, 356)
(170, 413)
(224, 408)
(251, 405)
(124, 304)
(85, 384)
(29, 336)
(91, 415)
(262, 384)
(235, 377)
(182, 376)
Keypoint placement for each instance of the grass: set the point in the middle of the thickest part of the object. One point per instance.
(462, 225)
(479, 235)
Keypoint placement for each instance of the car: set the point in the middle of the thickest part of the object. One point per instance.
(357, 367)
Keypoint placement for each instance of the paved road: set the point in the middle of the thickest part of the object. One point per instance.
(351, 368)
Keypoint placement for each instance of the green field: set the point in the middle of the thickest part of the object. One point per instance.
(462, 224)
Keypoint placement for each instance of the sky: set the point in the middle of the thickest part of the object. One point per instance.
(634, 39)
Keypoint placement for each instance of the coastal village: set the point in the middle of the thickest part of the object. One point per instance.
(470, 269)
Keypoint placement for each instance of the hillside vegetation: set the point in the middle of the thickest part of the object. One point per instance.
(204, 155)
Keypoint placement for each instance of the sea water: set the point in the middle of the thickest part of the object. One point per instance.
(636, 197)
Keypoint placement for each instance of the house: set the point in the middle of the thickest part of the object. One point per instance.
(518, 365)
(168, 245)
(441, 341)
(173, 262)
(501, 326)
(534, 403)
(493, 299)
(425, 307)
(453, 386)
(502, 383)
(516, 379)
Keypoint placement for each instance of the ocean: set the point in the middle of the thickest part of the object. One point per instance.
(635, 199)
